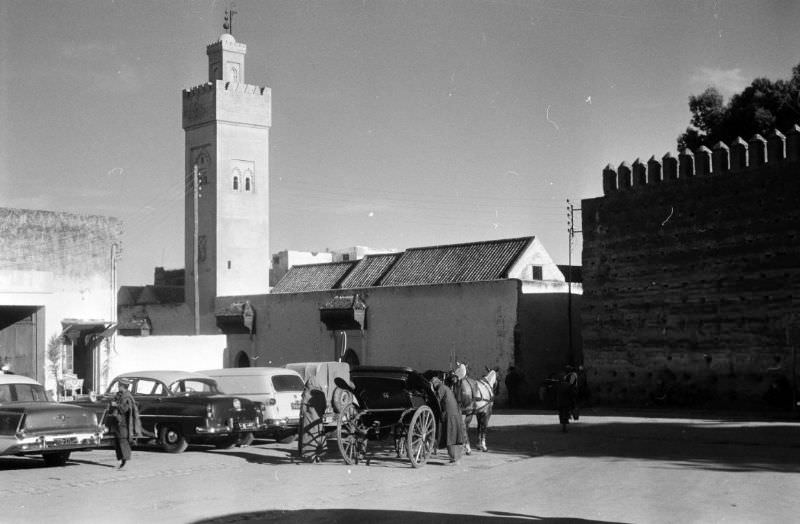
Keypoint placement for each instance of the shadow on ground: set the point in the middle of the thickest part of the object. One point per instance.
(713, 444)
(356, 516)
(720, 444)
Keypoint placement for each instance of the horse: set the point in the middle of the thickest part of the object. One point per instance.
(476, 398)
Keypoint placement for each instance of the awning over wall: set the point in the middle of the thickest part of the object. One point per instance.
(86, 332)
(135, 327)
(344, 312)
(236, 317)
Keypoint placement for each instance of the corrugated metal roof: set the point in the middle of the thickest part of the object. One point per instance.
(369, 270)
(470, 262)
(312, 277)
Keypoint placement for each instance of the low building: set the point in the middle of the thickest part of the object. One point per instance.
(490, 304)
(58, 295)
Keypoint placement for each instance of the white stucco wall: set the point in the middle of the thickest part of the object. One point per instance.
(185, 353)
(422, 327)
(535, 255)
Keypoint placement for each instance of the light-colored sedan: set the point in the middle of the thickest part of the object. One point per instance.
(31, 424)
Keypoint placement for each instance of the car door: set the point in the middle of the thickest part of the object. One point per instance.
(149, 394)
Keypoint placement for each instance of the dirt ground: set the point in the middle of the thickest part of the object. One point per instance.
(609, 467)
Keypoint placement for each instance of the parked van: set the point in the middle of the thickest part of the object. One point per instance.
(279, 389)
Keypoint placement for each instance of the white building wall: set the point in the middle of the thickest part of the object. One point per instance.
(184, 353)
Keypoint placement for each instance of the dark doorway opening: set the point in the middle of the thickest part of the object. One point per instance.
(20, 341)
(242, 360)
(351, 358)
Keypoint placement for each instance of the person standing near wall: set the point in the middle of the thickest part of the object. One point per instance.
(124, 423)
(566, 397)
(453, 429)
(513, 381)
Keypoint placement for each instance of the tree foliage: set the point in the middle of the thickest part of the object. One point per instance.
(54, 355)
(761, 107)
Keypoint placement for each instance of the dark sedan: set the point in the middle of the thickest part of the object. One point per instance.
(31, 424)
(178, 408)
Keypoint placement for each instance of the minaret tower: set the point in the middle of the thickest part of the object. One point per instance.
(227, 151)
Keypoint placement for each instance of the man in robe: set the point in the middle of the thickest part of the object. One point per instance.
(454, 435)
(124, 423)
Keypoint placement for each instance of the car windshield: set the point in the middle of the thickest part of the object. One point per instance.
(22, 393)
(194, 385)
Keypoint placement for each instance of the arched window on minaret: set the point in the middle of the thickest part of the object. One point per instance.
(248, 181)
(236, 179)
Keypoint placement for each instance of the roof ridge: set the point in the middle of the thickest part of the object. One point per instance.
(331, 263)
(461, 244)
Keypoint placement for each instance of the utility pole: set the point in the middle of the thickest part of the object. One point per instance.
(196, 247)
(571, 232)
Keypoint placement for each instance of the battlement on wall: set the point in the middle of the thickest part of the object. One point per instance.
(231, 87)
(740, 156)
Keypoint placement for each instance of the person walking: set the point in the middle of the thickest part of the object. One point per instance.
(566, 397)
(513, 381)
(124, 423)
(453, 430)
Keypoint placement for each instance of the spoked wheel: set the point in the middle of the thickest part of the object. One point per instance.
(421, 437)
(350, 434)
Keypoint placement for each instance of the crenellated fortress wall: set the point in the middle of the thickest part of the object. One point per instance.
(691, 271)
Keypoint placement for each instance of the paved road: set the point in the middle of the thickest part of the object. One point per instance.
(610, 467)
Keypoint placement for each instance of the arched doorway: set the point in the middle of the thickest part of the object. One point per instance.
(351, 358)
(242, 360)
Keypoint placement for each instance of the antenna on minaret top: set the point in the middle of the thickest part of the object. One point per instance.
(228, 25)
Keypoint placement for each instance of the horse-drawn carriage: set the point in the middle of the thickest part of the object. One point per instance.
(394, 402)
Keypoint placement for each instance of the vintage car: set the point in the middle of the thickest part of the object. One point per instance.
(178, 408)
(31, 424)
(279, 389)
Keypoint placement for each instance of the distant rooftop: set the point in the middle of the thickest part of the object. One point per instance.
(468, 262)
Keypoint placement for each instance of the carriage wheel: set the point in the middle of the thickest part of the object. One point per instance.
(350, 434)
(421, 437)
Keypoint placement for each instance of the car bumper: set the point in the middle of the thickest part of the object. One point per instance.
(62, 442)
(231, 426)
(271, 423)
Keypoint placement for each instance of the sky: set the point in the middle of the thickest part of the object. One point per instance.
(395, 124)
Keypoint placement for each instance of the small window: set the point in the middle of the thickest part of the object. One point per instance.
(236, 179)
(145, 386)
(248, 181)
(536, 272)
(287, 383)
(345, 258)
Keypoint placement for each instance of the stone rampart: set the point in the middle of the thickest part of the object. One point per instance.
(692, 276)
